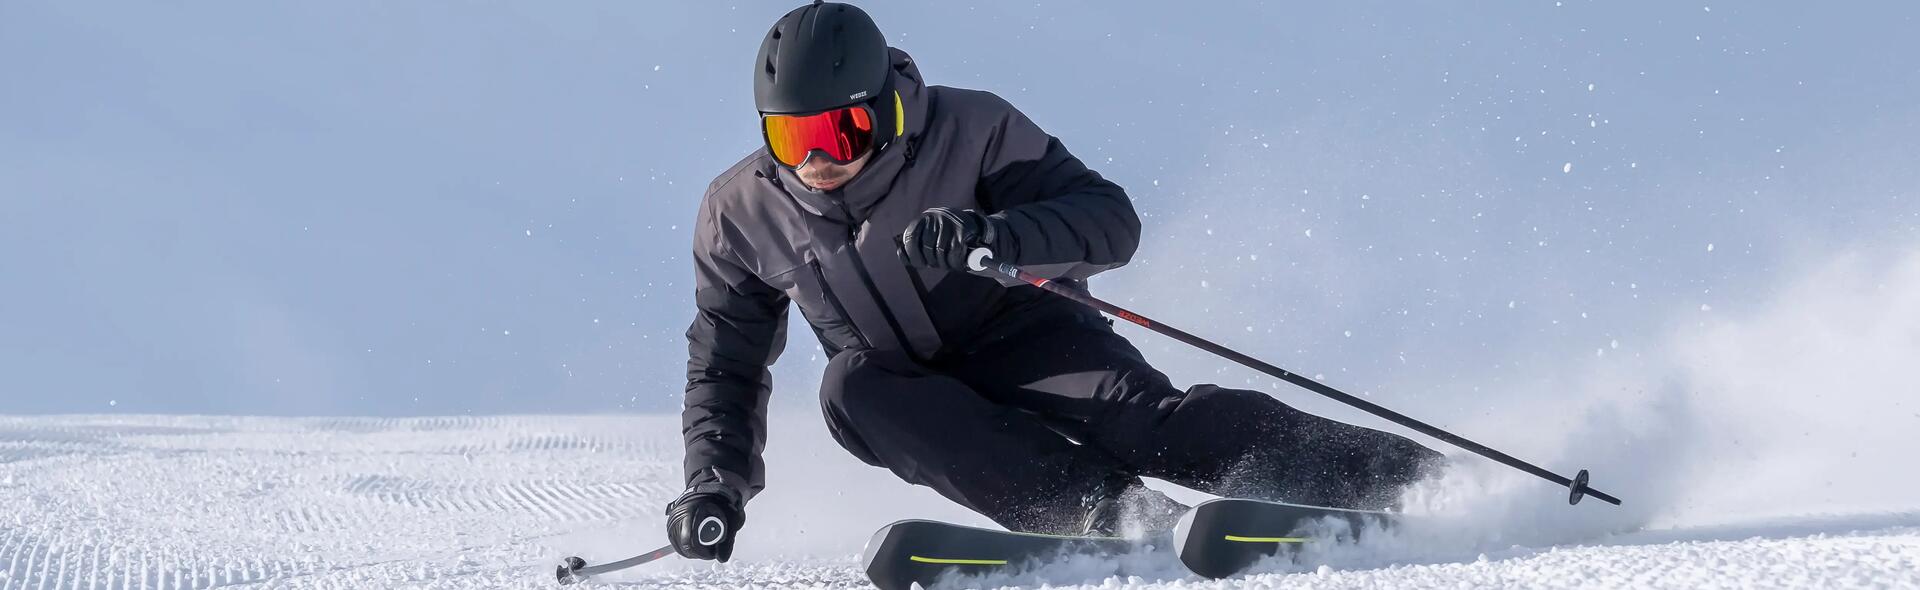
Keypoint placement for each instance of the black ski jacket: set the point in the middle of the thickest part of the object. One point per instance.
(763, 238)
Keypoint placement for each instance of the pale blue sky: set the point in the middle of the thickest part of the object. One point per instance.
(398, 208)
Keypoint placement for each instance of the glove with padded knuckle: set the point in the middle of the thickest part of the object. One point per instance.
(702, 523)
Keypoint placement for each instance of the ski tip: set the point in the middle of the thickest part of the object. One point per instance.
(566, 572)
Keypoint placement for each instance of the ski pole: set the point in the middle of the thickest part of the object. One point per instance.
(981, 260)
(574, 569)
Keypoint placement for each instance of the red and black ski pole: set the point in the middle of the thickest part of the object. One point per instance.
(981, 260)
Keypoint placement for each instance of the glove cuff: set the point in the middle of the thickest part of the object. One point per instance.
(981, 226)
(711, 489)
(1000, 237)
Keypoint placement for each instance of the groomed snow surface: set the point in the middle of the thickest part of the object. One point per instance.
(204, 502)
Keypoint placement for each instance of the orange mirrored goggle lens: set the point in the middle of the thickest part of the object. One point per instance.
(843, 135)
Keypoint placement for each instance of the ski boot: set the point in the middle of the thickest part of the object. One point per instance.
(1124, 507)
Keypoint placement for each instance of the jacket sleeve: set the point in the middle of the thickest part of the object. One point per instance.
(737, 333)
(1065, 221)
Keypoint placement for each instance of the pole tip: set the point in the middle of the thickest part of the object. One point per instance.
(565, 573)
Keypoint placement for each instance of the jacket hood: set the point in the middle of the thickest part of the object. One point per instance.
(873, 183)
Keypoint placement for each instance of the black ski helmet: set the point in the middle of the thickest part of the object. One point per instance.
(821, 56)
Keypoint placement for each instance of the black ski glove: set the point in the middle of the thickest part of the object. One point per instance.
(942, 238)
(701, 525)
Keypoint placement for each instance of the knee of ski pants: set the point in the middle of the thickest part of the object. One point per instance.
(848, 377)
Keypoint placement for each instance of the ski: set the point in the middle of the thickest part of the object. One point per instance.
(1220, 538)
(922, 551)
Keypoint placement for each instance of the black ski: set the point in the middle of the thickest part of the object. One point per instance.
(921, 551)
(1220, 538)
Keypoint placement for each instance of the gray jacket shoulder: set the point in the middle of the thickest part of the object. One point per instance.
(742, 215)
(734, 191)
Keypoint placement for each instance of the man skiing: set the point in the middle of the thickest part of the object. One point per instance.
(861, 208)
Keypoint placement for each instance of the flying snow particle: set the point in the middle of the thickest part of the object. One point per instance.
(1709, 247)
(656, 68)
(113, 402)
(1614, 345)
(529, 233)
(1510, 305)
(1349, 333)
(1203, 283)
(1566, 168)
(1705, 307)
(1309, 233)
(1589, 88)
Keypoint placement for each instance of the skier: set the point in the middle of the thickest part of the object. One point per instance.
(1025, 407)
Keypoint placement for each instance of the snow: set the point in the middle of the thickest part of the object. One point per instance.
(493, 502)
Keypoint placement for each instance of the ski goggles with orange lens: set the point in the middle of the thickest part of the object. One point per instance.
(842, 135)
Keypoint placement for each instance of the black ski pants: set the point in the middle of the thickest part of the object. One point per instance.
(991, 429)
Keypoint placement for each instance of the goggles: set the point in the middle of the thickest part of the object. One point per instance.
(840, 135)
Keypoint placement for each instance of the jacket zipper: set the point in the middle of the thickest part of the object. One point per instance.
(827, 290)
(860, 266)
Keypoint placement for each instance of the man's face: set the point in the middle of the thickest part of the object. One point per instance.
(823, 175)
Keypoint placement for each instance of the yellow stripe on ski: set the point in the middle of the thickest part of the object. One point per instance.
(944, 561)
(1240, 539)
